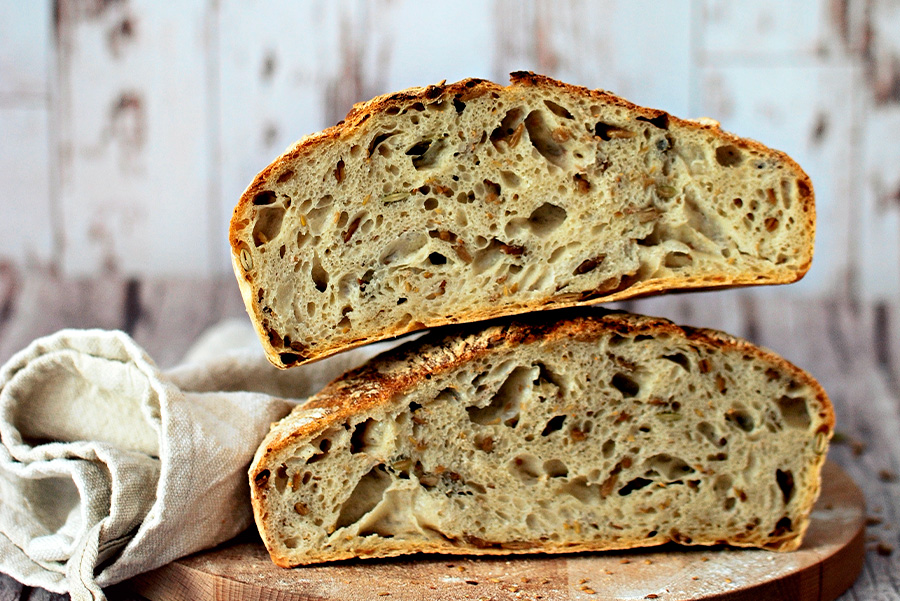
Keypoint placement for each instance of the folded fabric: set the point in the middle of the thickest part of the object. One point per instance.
(110, 467)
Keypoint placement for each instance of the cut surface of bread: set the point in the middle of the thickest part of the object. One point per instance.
(581, 430)
(461, 202)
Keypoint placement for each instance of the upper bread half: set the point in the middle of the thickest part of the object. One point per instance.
(466, 201)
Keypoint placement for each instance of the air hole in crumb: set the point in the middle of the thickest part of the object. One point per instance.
(741, 417)
(729, 156)
(554, 468)
(377, 140)
(510, 179)
(582, 184)
(608, 448)
(281, 478)
(546, 218)
(437, 259)
(710, 434)
(785, 481)
(492, 191)
(430, 157)
(794, 411)
(431, 204)
(542, 138)
(361, 438)
(266, 197)
(319, 275)
(722, 484)
(504, 405)
(677, 260)
(324, 445)
(526, 467)
(509, 130)
(786, 193)
(661, 120)
(626, 385)
(419, 148)
(365, 497)
(633, 485)
(581, 490)
(782, 526)
(679, 358)
(608, 132)
(554, 425)
(268, 224)
(558, 110)
(672, 468)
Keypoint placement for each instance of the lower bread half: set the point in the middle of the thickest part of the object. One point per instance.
(557, 432)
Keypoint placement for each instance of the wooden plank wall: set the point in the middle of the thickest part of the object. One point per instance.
(128, 128)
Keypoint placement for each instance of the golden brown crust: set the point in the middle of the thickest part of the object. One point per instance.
(283, 357)
(402, 369)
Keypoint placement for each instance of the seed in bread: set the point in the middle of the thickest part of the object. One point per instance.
(461, 202)
(547, 433)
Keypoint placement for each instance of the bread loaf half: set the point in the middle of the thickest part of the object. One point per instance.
(592, 431)
(460, 202)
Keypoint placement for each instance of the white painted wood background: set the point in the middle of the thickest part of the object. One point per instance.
(128, 128)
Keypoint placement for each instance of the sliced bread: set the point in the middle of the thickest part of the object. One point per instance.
(592, 431)
(461, 202)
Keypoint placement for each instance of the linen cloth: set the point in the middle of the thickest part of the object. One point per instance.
(110, 467)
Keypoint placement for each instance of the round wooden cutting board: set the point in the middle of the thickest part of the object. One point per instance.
(825, 566)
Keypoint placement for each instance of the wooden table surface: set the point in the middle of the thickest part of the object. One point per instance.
(853, 348)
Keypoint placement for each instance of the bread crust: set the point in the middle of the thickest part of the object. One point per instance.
(400, 370)
(471, 88)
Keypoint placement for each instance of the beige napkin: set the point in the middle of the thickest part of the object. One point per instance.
(110, 467)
